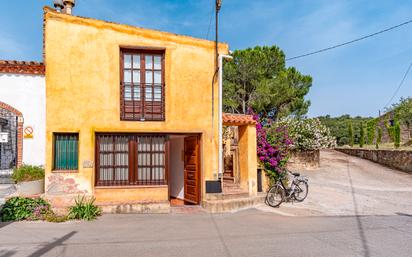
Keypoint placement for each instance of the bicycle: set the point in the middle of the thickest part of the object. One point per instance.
(279, 193)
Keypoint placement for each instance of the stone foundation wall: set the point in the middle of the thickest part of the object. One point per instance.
(306, 160)
(397, 159)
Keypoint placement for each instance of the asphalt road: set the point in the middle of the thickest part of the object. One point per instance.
(246, 233)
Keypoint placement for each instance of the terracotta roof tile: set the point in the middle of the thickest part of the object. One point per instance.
(231, 119)
(22, 67)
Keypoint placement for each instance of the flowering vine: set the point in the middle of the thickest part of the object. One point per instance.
(272, 150)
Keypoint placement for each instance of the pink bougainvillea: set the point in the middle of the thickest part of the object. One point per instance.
(272, 150)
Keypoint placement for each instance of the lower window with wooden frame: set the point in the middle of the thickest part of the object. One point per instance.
(131, 159)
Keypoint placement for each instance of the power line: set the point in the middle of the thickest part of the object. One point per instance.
(210, 19)
(350, 42)
(400, 85)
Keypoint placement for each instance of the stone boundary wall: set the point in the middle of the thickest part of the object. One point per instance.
(397, 159)
(304, 160)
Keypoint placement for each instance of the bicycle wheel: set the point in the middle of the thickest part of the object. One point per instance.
(301, 191)
(275, 196)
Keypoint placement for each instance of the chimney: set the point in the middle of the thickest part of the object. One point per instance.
(68, 6)
(58, 4)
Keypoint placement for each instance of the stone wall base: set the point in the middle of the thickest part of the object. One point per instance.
(304, 160)
(61, 203)
(397, 159)
(153, 208)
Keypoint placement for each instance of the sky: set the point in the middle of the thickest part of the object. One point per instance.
(358, 79)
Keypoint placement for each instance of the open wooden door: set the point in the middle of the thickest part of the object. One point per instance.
(192, 170)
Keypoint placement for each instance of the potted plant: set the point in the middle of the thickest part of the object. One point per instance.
(29, 179)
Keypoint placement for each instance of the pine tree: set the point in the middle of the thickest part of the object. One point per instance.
(362, 135)
(350, 134)
(397, 132)
(379, 138)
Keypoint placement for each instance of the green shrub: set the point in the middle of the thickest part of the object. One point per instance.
(84, 209)
(305, 134)
(343, 141)
(397, 134)
(379, 138)
(20, 208)
(28, 173)
(362, 135)
(350, 134)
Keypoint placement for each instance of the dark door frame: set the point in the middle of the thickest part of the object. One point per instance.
(199, 143)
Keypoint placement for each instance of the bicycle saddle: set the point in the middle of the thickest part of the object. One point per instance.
(295, 174)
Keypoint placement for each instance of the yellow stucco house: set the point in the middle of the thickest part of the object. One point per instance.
(130, 118)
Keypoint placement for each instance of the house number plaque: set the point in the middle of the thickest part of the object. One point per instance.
(4, 137)
(87, 164)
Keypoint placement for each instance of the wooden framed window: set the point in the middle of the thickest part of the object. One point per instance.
(142, 85)
(130, 159)
(66, 151)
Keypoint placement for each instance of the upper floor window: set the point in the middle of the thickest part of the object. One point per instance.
(142, 85)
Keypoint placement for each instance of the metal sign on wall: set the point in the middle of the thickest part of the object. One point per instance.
(4, 137)
(28, 132)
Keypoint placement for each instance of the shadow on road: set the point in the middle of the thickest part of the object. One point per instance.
(52, 245)
(3, 224)
(403, 214)
(362, 235)
(5, 253)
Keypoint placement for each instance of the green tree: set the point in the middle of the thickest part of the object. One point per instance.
(257, 78)
(391, 130)
(350, 134)
(371, 129)
(379, 138)
(362, 135)
(397, 132)
(403, 111)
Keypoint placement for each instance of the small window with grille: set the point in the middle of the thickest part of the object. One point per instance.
(66, 151)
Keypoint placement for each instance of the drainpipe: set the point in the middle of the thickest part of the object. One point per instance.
(220, 167)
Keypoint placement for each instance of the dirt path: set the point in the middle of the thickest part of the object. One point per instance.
(347, 185)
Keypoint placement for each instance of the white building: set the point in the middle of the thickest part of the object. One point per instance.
(22, 114)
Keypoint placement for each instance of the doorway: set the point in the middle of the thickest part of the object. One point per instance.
(184, 173)
(8, 142)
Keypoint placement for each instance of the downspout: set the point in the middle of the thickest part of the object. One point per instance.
(220, 125)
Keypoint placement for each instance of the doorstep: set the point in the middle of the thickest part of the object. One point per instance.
(220, 203)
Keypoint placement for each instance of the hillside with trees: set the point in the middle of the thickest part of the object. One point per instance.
(340, 126)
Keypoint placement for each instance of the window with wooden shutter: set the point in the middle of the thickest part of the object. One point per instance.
(130, 159)
(66, 151)
(142, 85)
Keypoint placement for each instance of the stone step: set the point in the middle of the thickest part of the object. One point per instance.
(225, 196)
(233, 191)
(228, 179)
(228, 205)
(230, 184)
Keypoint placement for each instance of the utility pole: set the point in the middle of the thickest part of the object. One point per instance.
(218, 6)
